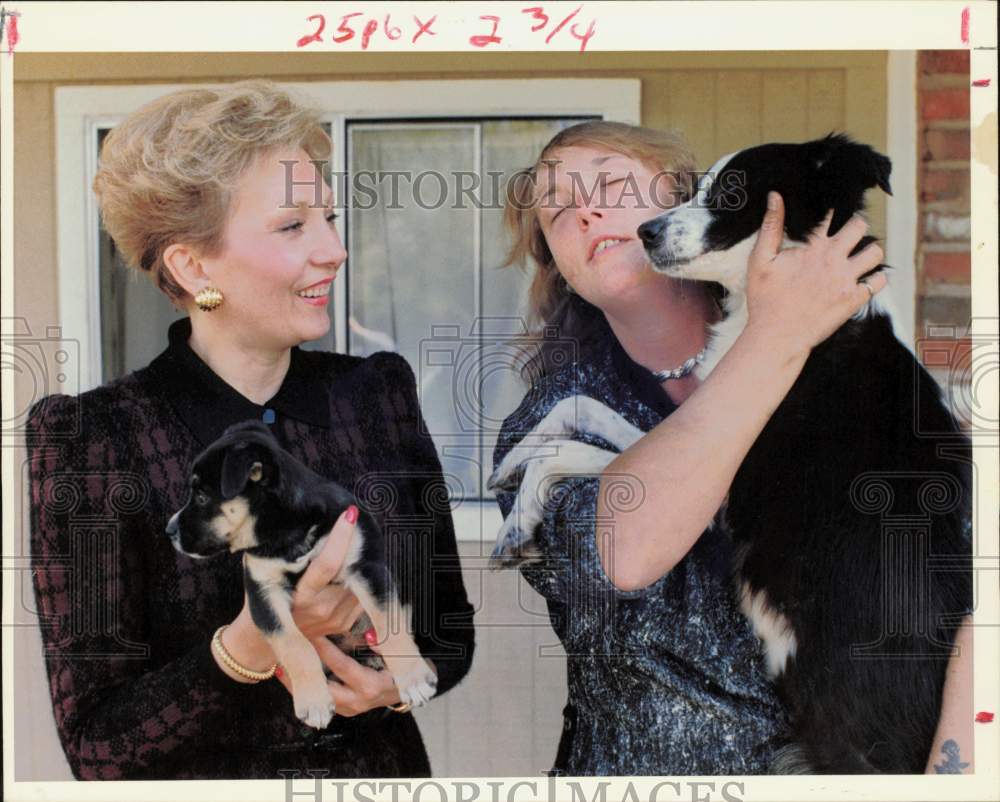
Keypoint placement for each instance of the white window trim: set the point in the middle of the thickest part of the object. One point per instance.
(901, 207)
(81, 110)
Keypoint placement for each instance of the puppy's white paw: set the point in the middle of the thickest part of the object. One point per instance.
(513, 546)
(516, 538)
(507, 475)
(314, 707)
(416, 687)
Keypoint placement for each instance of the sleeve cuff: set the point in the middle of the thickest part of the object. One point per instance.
(217, 679)
(576, 529)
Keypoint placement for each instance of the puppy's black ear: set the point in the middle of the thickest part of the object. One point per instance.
(244, 463)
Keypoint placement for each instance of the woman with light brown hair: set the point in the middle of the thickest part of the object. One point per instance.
(665, 674)
(216, 195)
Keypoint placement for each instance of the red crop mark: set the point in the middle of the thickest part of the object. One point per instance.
(984, 717)
(487, 39)
(586, 36)
(537, 12)
(366, 35)
(13, 37)
(317, 35)
(345, 30)
(981, 82)
(965, 25)
(392, 32)
(562, 24)
(423, 27)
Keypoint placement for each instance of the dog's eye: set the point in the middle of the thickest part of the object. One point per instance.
(201, 498)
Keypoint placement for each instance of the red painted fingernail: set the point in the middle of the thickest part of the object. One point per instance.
(371, 638)
(352, 514)
(983, 717)
(279, 672)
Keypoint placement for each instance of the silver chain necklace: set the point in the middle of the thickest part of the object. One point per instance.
(681, 370)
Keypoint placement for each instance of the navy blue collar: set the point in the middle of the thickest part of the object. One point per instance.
(208, 405)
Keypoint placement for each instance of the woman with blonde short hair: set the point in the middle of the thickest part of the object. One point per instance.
(216, 195)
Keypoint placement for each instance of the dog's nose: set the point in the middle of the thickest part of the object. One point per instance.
(172, 525)
(651, 230)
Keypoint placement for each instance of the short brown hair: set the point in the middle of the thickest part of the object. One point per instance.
(550, 304)
(169, 170)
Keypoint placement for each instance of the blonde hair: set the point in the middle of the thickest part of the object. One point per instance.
(169, 171)
(550, 303)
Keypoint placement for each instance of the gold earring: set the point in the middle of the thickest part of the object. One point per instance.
(208, 298)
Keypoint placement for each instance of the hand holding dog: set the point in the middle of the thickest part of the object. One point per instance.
(319, 608)
(798, 297)
(357, 688)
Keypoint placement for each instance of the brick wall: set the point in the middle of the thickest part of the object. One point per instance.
(943, 252)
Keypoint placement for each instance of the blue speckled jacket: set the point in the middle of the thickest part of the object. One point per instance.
(666, 680)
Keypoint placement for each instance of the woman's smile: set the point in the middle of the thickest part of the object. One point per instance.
(317, 294)
(605, 243)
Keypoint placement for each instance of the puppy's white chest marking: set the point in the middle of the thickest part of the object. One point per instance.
(771, 627)
(724, 333)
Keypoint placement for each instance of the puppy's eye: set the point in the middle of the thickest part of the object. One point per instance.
(201, 498)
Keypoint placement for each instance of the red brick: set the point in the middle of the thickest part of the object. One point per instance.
(952, 268)
(944, 104)
(941, 310)
(944, 185)
(945, 145)
(935, 61)
(951, 355)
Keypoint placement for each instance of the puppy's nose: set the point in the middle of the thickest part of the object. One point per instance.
(651, 230)
(172, 525)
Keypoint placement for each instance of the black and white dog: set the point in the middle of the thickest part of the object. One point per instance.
(248, 494)
(850, 516)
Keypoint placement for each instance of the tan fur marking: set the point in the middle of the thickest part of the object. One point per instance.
(297, 656)
(236, 525)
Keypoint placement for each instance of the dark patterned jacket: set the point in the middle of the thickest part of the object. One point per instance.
(669, 679)
(126, 620)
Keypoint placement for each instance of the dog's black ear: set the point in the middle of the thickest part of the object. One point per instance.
(244, 463)
(882, 169)
(844, 162)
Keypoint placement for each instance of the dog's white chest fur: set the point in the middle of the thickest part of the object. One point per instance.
(724, 333)
(771, 627)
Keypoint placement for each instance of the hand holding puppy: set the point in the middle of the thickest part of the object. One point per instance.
(318, 608)
(355, 688)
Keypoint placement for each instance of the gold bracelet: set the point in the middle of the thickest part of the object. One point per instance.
(402, 707)
(230, 662)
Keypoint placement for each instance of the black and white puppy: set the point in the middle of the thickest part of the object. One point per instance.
(248, 494)
(851, 513)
